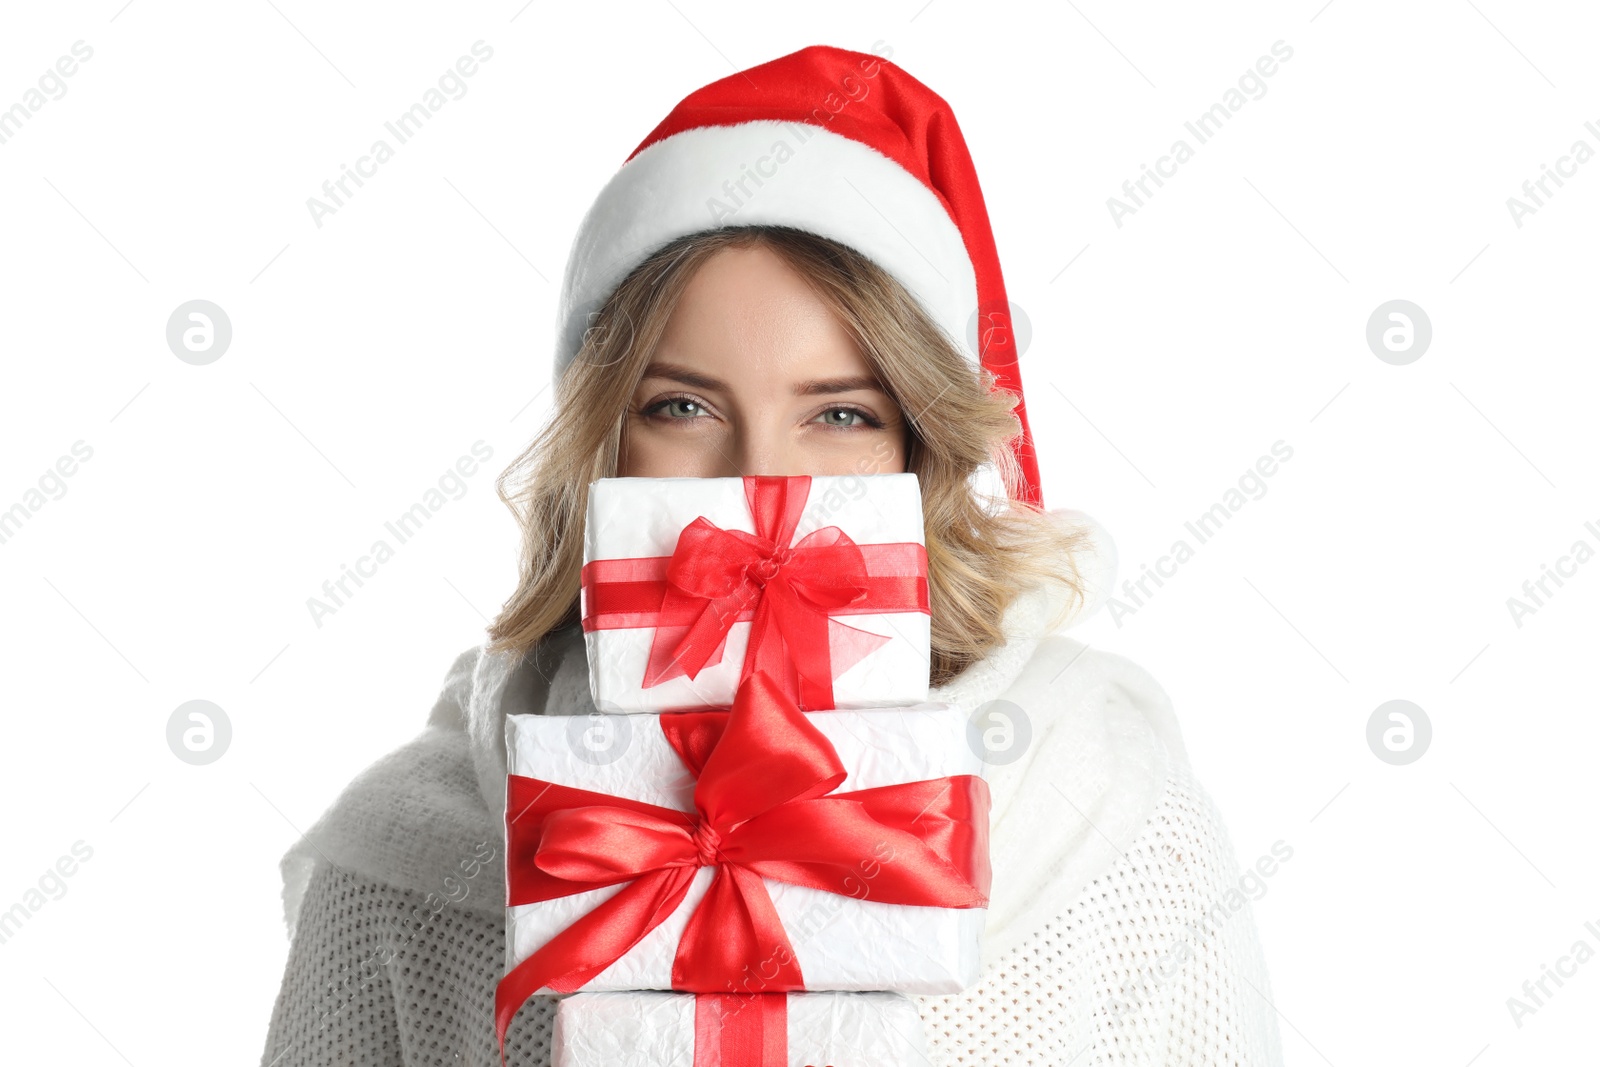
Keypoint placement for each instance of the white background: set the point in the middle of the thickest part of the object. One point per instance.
(1167, 355)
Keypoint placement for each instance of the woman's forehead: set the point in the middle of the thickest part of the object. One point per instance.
(748, 316)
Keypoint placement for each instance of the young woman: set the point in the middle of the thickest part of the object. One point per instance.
(817, 330)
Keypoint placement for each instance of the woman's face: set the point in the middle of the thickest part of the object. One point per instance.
(754, 375)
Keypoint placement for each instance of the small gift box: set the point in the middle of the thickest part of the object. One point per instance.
(690, 584)
(758, 1030)
(747, 850)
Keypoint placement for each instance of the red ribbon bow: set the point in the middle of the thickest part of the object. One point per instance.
(764, 807)
(716, 577)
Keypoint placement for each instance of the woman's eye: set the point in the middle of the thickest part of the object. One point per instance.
(681, 408)
(841, 417)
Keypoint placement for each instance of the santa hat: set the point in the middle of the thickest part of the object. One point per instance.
(842, 144)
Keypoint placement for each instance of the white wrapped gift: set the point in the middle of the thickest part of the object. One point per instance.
(877, 658)
(657, 1029)
(840, 940)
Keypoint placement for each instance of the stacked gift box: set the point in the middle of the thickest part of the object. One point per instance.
(784, 837)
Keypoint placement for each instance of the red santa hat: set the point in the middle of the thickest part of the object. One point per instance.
(842, 144)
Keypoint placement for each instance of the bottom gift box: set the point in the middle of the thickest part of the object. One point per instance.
(663, 1029)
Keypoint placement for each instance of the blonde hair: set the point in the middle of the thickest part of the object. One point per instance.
(982, 553)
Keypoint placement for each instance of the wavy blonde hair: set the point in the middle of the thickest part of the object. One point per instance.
(981, 552)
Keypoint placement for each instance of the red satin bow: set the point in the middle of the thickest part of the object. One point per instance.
(716, 577)
(764, 808)
(715, 574)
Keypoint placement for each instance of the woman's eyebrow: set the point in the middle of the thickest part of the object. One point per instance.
(811, 387)
(847, 384)
(685, 376)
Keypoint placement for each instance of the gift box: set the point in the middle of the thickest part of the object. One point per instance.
(754, 849)
(760, 1030)
(690, 584)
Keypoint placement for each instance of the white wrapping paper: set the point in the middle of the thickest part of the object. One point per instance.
(657, 1030)
(841, 942)
(632, 518)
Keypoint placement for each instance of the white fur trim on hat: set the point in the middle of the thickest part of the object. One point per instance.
(775, 173)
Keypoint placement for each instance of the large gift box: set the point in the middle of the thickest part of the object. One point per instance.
(690, 584)
(752, 849)
(760, 1030)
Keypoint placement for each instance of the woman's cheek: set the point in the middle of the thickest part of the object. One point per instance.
(859, 457)
(680, 454)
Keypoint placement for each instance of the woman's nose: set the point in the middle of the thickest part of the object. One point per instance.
(769, 454)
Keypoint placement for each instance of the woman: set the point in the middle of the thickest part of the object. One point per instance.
(814, 331)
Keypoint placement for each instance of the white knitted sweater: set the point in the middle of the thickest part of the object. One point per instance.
(1116, 932)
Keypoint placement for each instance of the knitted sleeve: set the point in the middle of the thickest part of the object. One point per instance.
(391, 978)
(1154, 964)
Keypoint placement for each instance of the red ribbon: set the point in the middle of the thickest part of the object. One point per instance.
(764, 807)
(741, 1030)
(789, 592)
